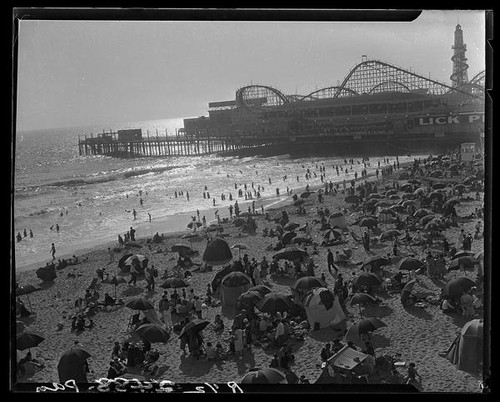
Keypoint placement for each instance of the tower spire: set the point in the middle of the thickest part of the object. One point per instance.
(459, 76)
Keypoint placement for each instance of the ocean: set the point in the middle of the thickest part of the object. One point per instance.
(91, 198)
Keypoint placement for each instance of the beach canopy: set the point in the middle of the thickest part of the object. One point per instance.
(171, 283)
(457, 286)
(194, 326)
(466, 262)
(28, 339)
(139, 303)
(466, 351)
(267, 375)
(290, 253)
(323, 309)
(232, 286)
(72, 365)
(274, 302)
(217, 252)
(307, 283)
(152, 333)
(374, 263)
(409, 264)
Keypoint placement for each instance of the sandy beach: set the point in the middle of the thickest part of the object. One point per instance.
(419, 335)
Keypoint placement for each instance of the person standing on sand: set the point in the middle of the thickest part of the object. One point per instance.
(132, 233)
(134, 213)
(53, 251)
(111, 255)
(149, 217)
(329, 260)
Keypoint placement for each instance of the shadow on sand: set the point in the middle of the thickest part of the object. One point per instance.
(377, 311)
(419, 312)
(132, 291)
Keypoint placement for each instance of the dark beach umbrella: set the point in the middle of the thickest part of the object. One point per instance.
(236, 279)
(336, 215)
(274, 302)
(436, 173)
(262, 289)
(267, 375)
(407, 188)
(375, 196)
(298, 203)
(397, 208)
(414, 181)
(383, 203)
(139, 303)
(291, 226)
(462, 253)
(389, 234)
(46, 274)
(466, 262)
(248, 300)
(115, 281)
(406, 292)
(121, 261)
(437, 186)
(237, 222)
(426, 219)
(390, 192)
(305, 194)
(374, 263)
(332, 235)
(307, 283)
(394, 197)
(28, 339)
(452, 201)
(435, 195)
(180, 248)
(420, 213)
(288, 236)
(352, 199)
(172, 283)
(418, 191)
(194, 326)
(194, 224)
(217, 252)
(364, 326)
(71, 365)
(361, 299)
(301, 240)
(457, 286)
(290, 253)
(409, 196)
(387, 211)
(368, 222)
(409, 264)
(152, 333)
(366, 279)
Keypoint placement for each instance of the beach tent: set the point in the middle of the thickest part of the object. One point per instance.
(232, 286)
(466, 351)
(217, 252)
(338, 219)
(323, 308)
(73, 365)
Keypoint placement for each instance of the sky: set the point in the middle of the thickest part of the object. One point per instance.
(75, 73)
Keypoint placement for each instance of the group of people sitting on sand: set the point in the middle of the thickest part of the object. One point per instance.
(465, 304)
(135, 358)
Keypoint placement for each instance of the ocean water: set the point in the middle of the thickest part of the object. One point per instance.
(91, 198)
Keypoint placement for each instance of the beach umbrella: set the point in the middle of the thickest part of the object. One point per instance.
(414, 181)
(436, 173)
(479, 256)
(364, 326)
(462, 253)
(236, 279)
(298, 203)
(396, 208)
(407, 188)
(301, 240)
(26, 290)
(274, 302)
(383, 203)
(305, 194)
(121, 261)
(308, 282)
(287, 237)
(239, 246)
(173, 283)
(420, 213)
(139, 303)
(452, 201)
(115, 281)
(332, 235)
(375, 196)
(138, 257)
(367, 279)
(361, 299)
(368, 222)
(194, 326)
(248, 300)
(418, 191)
(466, 262)
(426, 219)
(290, 253)
(433, 224)
(152, 333)
(194, 224)
(389, 234)
(387, 211)
(435, 194)
(409, 264)
(406, 292)
(390, 192)
(408, 196)
(352, 199)
(374, 263)
(46, 274)
(217, 252)
(262, 289)
(28, 339)
(291, 226)
(394, 197)
(72, 366)
(459, 187)
(20, 326)
(237, 222)
(267, 375)
(457, 286)
(181, 248)
(437, 186)
(408, 202)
